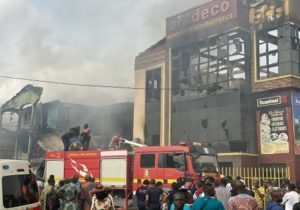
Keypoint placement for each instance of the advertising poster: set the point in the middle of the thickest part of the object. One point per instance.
(296, 120)
(273, 131)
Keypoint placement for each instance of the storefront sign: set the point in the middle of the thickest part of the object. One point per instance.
(273, 130)
(270, 101)
(204, 16)
(268, 14)
(296, 120)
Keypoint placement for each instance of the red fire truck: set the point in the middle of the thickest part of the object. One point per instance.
(123, 169)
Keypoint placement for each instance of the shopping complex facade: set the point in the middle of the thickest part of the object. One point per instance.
(228, 73)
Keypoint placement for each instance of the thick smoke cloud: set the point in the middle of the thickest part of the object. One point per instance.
(79, 41)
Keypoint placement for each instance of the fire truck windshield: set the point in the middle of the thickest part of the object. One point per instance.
(205, 163)
(204, 158)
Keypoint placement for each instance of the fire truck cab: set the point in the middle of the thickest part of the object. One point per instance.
(168, 163)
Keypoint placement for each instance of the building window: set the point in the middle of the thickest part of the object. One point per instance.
(153, 85)
(209, 66)
(278, 51)
(147, 160)
(268, 59)
(176, 161)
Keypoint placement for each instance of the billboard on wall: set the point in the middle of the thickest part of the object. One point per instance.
(296, 120)
(268, 14)
(273, 131)
(202, 17)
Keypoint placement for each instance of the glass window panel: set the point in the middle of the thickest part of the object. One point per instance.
(213, 63)
(203, 49)
(214, 46)
(147, 160)
(262, 60)
(273, 71)
(261, 41)
(273, 58)
(262, 75)
(235, 57)
(274, 32)
(223, 75)
(212, 69)
(214, 52)
(239, 76)
(272, 47)
(262, 48)
(223, 52)
(203, 59)
(203, 67)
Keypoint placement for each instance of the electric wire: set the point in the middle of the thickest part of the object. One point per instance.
(104, 86)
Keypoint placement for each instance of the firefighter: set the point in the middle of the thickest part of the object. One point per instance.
(153, 195)
(66, 139)
(141, 195)
(85, 137)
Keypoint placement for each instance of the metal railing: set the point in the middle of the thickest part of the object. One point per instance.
(248, 174)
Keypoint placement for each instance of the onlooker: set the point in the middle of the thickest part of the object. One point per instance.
(86, 188)
(199, 191)
(242, 200)
(171, 194)
(275, 203)
(208, 202)
(141, 195)
(290, 198)
(285, 185)
(50, 177)
(222, 194)
(45, 191)
(259, 194)
(153, 195)
(268, 190)
(70, 195)
(229, 181)
(179, 202)
(78, 183)
(102, 198)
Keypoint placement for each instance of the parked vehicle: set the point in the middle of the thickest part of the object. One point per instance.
(126, 169)
(18, 188)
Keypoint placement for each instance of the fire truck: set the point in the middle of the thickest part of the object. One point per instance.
(125, 169)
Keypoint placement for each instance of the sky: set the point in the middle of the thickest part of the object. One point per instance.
(79, 41)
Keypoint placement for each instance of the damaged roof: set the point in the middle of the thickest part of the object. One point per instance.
(28, 95)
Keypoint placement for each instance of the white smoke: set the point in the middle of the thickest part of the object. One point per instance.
(78, 41)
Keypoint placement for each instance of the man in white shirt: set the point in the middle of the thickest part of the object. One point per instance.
(291, 197)
(222, 194)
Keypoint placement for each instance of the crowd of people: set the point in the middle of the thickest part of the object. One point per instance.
(76, 140)
(228, 193)
(70, 194)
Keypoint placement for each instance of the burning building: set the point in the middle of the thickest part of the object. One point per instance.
(227, 72)
(29, 128)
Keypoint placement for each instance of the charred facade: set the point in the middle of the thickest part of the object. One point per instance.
(227, 73)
